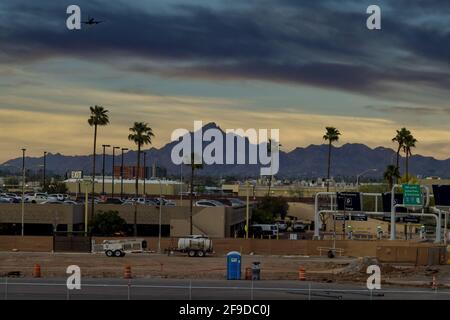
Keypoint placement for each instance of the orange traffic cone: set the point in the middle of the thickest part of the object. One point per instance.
(37, 271)
(434, 284)
(127, 273)
(301, 274)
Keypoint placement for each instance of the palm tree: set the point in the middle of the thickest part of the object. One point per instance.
(99, 117)
(391, 174)
(141, 134)
(331, 135)
(194, 166)
(400, 139)
(409, 143)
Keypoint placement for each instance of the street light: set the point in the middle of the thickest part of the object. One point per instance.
(45, 167)
(23, 190)
(103, 167)
(361, 174)
(121, 173)
(160, 208)
(145, 171)
(113, 161)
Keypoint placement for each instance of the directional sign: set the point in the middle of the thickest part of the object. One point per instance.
(340, 217)
(398, 199)
(412, 219)
(359, 217)
(349, 201)
(441, 195)
(76, 175)
(412, 195)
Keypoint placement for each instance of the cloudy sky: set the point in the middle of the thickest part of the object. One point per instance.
(289, 64)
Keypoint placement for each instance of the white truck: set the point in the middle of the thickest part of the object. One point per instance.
(118, 248)
(195, 245)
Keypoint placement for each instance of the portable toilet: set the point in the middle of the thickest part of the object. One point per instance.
(233, 265)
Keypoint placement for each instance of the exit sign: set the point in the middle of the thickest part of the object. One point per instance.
(412, 195)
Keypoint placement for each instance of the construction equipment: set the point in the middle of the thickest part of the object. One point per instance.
(195, 245)
(118, 248)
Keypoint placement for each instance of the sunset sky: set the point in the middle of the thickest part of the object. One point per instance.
(289, 64)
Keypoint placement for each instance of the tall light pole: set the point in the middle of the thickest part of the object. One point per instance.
(113, 162)
(247, 210)
(145, 170)
(103, 167)
(121, 173)
(45, 168)
(360, 175)
(23, 190)
(160, 209)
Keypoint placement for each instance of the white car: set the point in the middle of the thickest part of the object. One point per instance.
(56, 197)
(36, 198)
(208, 203)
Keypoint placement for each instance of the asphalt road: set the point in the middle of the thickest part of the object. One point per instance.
(170, 289)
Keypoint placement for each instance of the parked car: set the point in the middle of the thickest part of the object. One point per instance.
(282, 226)
(9, 198)
(70, 202)
(56, 197)
(208, 203)
(113, 201)
(258, 230)
(36, 198)
(299, 227)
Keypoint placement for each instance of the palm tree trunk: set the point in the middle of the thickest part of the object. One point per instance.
(93, 173)
(398, 163)
(191, 197)
(329, 166)
(406, 167)
(137, 188)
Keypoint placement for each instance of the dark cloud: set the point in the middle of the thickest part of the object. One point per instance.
(422, 111)
(310, 43)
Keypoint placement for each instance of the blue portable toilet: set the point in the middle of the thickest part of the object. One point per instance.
(233, 265)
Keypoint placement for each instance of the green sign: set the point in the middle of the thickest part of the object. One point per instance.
(412, 195)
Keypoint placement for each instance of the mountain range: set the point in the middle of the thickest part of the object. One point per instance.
(348, 160)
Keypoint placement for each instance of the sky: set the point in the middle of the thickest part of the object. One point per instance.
(292, 65)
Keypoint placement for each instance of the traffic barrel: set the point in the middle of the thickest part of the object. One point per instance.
(434, 284)
(37, 271)
(127, 273)
(301, 274)
(248, 273)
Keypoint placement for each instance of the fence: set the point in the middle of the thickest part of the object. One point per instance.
(196, 290)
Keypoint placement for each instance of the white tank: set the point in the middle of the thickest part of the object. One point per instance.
(195, 243)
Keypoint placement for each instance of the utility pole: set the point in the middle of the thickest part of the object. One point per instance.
(23, 190)
(44, 173)
(145, 170)
(121, 174)
(113, 162)
(103, 168)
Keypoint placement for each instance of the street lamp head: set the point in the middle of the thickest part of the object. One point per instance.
(124, 149)
(116, 147)
(106, 145)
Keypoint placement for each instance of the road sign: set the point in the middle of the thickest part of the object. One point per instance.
(441, 195)
(412, 195)
(76, 175)
(359, 217)
(398, 199)
(349, 201)
(412, 219)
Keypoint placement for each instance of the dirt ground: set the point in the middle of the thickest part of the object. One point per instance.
(147, 265)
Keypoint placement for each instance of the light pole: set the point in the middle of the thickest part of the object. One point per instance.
(23, 190)
(247, 210)
(360, 175)
(121, 173)
(160, 209)
(113, 162)
(45, 167)
(145, 170)
(103, 167)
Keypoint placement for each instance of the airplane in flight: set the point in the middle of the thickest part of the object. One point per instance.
(91, 21)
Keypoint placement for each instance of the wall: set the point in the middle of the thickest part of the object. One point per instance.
(27, 243)
(41, 213)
